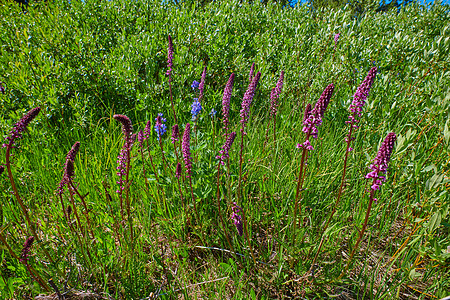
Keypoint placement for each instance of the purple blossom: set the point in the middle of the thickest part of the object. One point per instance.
(360, 95)
(274, 95)
(237, 219)
(169, 57)
(247, 101)
(2, 88)
(306, 145)
(195, 84)
(175, 133)
(19, 127)
(178, 170)
(381, 161)
(2, 168)
(127, 127)
(140, 138)
(185, 146)
(147, 130)
(196, 109)
(68, 167)
(224, 155)
(124, 155)
(160, 127)
(336, 38)
(226, 101)
(201, 86)
(314, 118)
(26, 250)
(252, 70)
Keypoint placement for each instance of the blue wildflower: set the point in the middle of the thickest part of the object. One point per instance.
(196, 108)
(213, 113)
(195, 84)
(160, 127)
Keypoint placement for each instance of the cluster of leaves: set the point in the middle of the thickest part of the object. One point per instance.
(84, 61)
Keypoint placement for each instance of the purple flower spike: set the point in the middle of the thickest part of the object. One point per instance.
(314, 118)
(19, 127)
(26, 250)
(252, 70)
(185, 146)
(140, 138)
(127, 127)
(226, 148)
(201, 86)
(307, 112)
(361, 94)
(247, 101)
(147, 130)
(274, 95)
(237, 219)
(226, 102)
(175, 133)
(381, 162)
(69, 170)
(2, 169)
(73, 152)
(160, 127)
(178, 171)
(122, 159)
(336, 39)
(169, 57)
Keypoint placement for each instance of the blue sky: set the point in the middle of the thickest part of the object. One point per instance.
(420, 1)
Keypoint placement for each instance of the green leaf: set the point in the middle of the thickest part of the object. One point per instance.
(435, 222)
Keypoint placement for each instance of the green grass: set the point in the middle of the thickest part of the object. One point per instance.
(84, 62)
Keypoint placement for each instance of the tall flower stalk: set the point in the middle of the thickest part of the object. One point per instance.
(201, 86)
(377, 174)
(359, 100)
(169, 73)
(15, 134)
(274, 95)
(245, 115)
(226, 103)
(188, 163)
(311, 120)
(123, 168)
(224, 155)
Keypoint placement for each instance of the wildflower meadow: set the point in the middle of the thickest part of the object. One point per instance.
(223, 150)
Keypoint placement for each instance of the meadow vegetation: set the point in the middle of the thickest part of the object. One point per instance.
(223, 151)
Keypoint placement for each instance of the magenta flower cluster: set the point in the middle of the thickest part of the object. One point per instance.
(247, 101)
(175, 133)
(26, 250)
(314, 118)
(124, 155)
(178, 170)
(237, 219)
(68, 168)
(226, 102)
(185, 146)
(380, 165)
(19, 127)
(224, 155)
(360, 96)
(336, 39)
(252, 71)
(275, 94)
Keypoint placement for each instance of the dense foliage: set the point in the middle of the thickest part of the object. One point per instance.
(96, 67)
